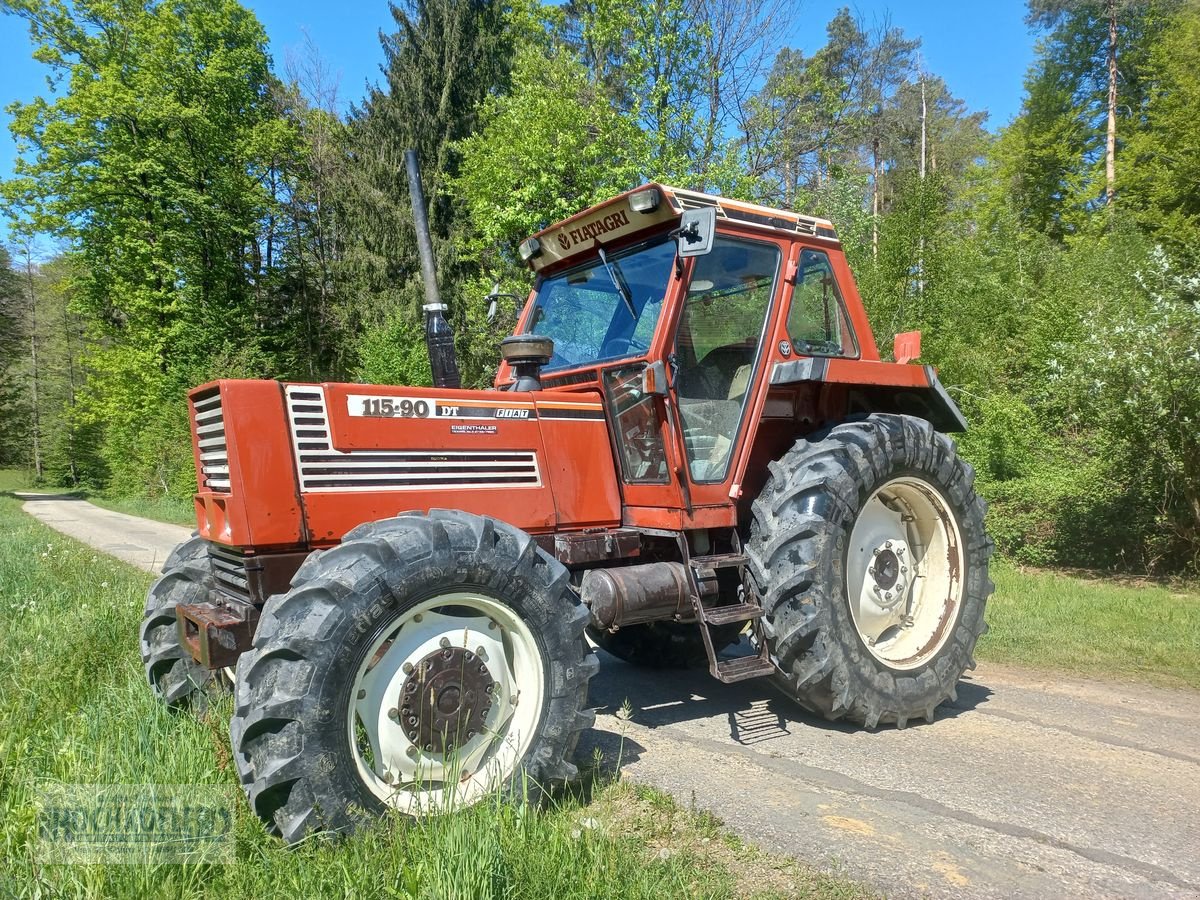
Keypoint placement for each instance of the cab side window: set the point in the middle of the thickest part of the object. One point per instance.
(817, 323)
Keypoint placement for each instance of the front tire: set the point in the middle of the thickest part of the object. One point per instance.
(869, 554)
(424, 663)
(176, 678)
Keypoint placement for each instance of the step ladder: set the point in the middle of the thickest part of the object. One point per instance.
(705, 568)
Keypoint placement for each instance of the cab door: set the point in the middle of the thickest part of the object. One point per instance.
(720, 347)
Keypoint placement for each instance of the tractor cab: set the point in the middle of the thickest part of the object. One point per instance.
(718, 331)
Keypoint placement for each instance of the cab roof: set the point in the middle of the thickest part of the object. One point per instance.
(650, 205)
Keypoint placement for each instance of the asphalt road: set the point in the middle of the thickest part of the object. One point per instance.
(1030, 785)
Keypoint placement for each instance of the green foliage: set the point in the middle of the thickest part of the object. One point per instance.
(151, 161)
(1159, 182)
(14, 414)
(549, 148)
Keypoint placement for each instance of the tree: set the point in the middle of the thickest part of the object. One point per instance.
(1160, 182)
(153, 163)
(442, 60)
(1091, 66)
(14, 416)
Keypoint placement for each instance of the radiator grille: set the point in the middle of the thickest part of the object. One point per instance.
(210, 432)
(323, 468)
(229, 571)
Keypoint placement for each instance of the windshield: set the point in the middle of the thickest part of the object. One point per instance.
(606, 309)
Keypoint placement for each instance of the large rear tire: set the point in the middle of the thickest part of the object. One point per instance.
(869, 554)
(174, 676)
(424, 663)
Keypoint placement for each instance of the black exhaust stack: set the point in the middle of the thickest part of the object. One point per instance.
(439, 339)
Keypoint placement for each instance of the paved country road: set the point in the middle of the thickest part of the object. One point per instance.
(1030, 785)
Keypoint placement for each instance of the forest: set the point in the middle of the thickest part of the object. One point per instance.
(218, 213)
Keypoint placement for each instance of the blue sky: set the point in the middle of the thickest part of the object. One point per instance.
(981, 49)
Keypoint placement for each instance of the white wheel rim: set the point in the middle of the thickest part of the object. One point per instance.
(904, 573)
(415, 778)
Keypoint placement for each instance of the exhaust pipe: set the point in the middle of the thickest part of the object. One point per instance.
(439, 339)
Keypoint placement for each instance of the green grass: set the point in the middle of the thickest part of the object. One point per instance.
(1099, 626)
(161, 509)
(15, 480)
(74, 708)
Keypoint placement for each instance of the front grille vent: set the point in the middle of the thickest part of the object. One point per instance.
(322, 468)
(210, 433)
(229, 571)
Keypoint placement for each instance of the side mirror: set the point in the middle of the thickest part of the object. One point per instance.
(495, 296)
(696, 229)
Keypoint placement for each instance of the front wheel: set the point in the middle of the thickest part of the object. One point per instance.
(177, 679)
(425, 663)
(869, 554)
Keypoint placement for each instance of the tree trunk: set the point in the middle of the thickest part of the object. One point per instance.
(921, 242)
(1110, 144)
(875, 199)
(35, 388)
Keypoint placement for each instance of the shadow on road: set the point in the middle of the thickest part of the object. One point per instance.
(755, 712)
(28, 497)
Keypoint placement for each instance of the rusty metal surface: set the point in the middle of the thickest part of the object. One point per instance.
(216, 634)
(446, 700)
(582, 548)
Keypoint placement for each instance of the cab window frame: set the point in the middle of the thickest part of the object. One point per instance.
(761, 354)
(849, 344)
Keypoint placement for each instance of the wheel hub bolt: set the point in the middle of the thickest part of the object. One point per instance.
(407, 668)
(479, 652)
(887, 596)
(394, 714)
(388, 777)
(412, 752)
(887, 545)
(492, 626)
(362, 694)
(444, 643)
(418, 617)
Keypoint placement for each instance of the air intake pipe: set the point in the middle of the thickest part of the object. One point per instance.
(439, 339)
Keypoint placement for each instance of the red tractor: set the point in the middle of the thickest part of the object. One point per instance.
(691, 436)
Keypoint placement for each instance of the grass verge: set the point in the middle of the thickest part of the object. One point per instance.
(161, 509)
(75, 709)
(1094, 626)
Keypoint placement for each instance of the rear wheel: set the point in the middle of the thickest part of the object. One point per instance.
(424, 663)
(870, 557)
(174, 676)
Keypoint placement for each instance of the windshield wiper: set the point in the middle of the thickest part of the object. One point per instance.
(618, 282)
